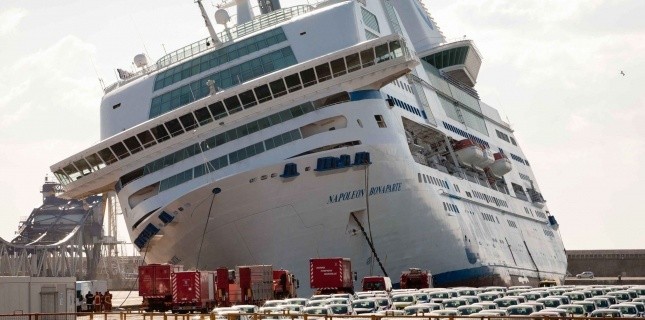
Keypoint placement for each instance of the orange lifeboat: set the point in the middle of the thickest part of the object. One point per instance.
(501, 166)
(468, 153)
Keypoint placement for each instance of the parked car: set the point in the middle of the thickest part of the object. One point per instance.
(520, 310)
(585, 274)
(470, 309)
(628, 310)
(606, 313)
(575, 309)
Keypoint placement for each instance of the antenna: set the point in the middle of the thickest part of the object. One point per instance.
(211, 30)
(97, 75)
(139, 34)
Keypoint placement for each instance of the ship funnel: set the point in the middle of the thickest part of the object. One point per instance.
(211, 30)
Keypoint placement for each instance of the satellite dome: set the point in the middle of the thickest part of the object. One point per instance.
(140, 60)
(222, 16)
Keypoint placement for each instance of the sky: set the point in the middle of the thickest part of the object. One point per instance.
(551, 67)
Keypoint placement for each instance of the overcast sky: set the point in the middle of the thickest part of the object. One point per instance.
(551, 66)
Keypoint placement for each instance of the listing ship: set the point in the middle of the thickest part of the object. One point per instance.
(338, 129)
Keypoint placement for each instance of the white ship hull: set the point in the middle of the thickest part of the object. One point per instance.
(284, 222)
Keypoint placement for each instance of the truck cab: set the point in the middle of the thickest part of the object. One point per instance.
(377, 283)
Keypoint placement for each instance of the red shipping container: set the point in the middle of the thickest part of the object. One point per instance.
(193, 287)
(154, 280)
(330, 273)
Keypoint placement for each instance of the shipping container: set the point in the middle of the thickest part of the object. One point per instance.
(38, 295)
(256, 282)
(155, 285)
(193, 291)
(331, 273)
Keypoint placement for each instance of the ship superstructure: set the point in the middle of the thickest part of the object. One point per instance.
(345, 128)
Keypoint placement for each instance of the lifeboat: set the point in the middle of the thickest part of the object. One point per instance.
(468, 153)
(487, 159)
(501, 165)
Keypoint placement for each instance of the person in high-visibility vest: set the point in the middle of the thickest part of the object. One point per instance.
(97, 301)
(107, 305)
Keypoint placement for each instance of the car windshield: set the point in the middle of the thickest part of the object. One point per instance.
(520, 311)
(403, 299)
(606, 314)
(317, 311)
(551, 303)
(383, 302)
(339, 309)
(363, 304)
(505, 303)
(412, 311)
(575, 310)
(246, 309)
(453, 303)
(626, 309)
(640, 307)
(440, 295)
(469, 310)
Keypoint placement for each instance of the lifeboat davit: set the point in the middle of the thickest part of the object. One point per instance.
(468, 153)
(501, 166)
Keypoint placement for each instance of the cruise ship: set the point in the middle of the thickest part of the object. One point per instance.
(335, 129)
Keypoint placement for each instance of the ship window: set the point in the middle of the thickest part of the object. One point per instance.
(146, 138)
(308, 77)
(425, 179)
(367, 57)
(353, 62)
(95, 162)
(323, 72)
(174, 127)
(82, 166)
(72, 172)
(160, 133)
(232, 104)
(203, 116)
(513, 141)
(133, 144)
(395, 48)
(217, 109)
(107, 156)
(188, 121)
(419, 176)
(380, 121)
(278, 88)
(248, 99)
(338, 67)
(293, 82)
(61, 176)
(120, 150)
(263, 93)
(382, 53)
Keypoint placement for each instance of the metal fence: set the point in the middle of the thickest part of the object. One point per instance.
(138, 315)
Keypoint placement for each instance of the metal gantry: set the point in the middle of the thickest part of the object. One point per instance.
(64, 238)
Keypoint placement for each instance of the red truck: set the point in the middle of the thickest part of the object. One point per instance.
(193, 291)
(415, 278)
(331, 275)
(284, 284)
(155, 286)
(377, 283)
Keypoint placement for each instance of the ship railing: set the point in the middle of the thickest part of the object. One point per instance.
(228, 35)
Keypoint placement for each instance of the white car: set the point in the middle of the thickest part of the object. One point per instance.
(368, 305)
(575, 309)
(628, 310)
(585, 274)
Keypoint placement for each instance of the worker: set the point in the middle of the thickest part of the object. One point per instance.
(97, 301)
(79, 301)
(89, 301)
(107, 305)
